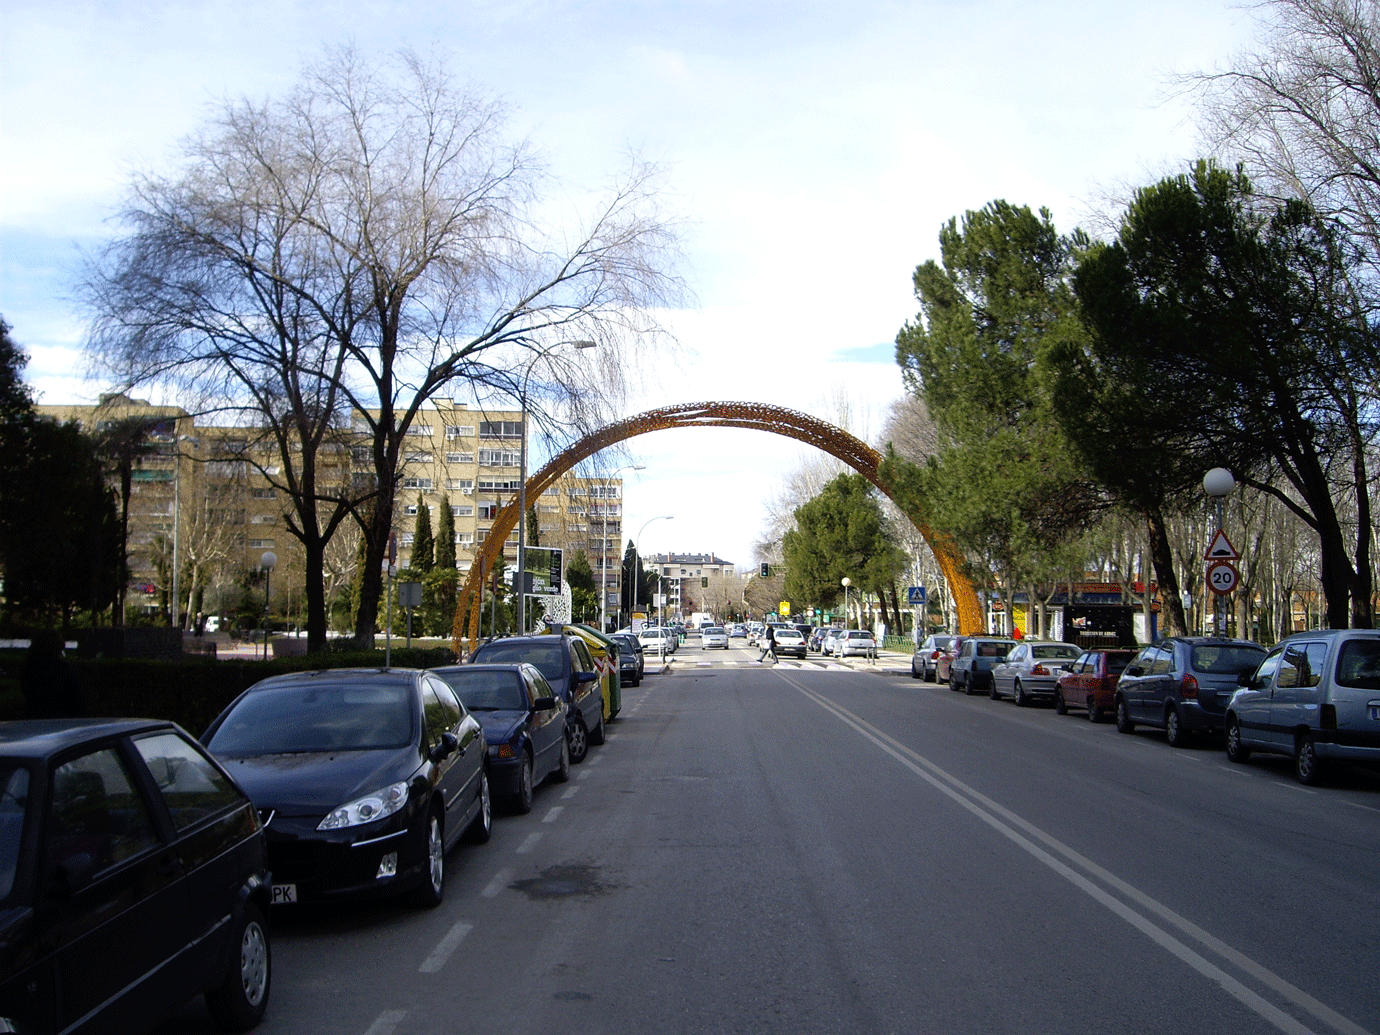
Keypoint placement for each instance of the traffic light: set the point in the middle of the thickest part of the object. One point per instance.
(704, 582)
(766, 570)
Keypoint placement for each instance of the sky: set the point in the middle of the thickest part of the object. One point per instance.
(812, 150)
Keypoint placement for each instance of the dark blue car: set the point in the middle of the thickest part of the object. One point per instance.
(524, 724)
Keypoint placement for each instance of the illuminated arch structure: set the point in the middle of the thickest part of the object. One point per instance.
(756, 416)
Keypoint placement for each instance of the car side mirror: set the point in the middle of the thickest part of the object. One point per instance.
(585, 677)
(448, 745)
(1246, 677)
(1134, 670)
(543, 704)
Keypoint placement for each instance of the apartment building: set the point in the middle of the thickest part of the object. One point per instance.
(197, 493)
(677, 572)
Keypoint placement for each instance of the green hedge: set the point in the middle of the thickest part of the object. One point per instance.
(193, 692)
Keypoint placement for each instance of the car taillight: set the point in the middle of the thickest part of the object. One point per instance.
(1188, 686)
(1039, 670)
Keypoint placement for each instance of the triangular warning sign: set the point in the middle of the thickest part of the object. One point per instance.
(1220, 549)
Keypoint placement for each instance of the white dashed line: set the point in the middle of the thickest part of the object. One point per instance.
(386, 1023)
(500, 881)
(553, 814)
(528, 843)
(569, 793)
(445, 947)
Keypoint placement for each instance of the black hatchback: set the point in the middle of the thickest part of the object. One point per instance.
(364, 779)
(132, 878)
(1182, 684)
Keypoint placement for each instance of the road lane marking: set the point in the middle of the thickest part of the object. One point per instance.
(1005, 822)
(500, 881)
(569, 792)
(386, 1023)
(553, 814)
(528, 843)
(445, 947)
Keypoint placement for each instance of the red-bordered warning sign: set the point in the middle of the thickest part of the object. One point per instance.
(1220, 549)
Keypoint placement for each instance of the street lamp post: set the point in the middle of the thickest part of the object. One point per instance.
(845, 582)
(267, 560)
(604, 549)
(1219, 483)
(637, 549)
(521, 581)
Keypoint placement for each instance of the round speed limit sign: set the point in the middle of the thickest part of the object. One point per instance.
(1222, 577)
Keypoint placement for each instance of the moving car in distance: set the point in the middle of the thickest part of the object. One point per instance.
(364, 779)
(713, 636)
(524, 726)
(1090, 682)
(133, 877)
(789, 641)
(1316, 697)
(1030, 669)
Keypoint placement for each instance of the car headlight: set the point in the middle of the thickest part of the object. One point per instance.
(373, 806)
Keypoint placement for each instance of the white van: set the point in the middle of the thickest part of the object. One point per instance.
(1316, 697)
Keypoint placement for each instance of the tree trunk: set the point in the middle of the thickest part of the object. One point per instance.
(1162, 557)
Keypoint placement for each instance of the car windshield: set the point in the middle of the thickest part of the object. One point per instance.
(992, 648)
(14, 800)
(713, 630)
(316, 717)
(1116, 663)
(1359, 664)
(487, 691)
(546, 655)
(1054, 650)
(1225, 658)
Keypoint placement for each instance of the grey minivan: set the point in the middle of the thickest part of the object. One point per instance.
(1316, 697)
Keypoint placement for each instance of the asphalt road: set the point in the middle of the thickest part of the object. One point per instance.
(801, 850)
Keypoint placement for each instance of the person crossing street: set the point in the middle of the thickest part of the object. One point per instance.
(769, 645)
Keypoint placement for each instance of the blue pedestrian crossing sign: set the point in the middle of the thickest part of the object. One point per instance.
(915, 596)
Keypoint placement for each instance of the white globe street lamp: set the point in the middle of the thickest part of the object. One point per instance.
(845, 582)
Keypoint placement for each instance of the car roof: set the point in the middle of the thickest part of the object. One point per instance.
(39, 738)
(393, 676)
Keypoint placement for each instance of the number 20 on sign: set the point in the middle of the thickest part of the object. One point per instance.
(1222, 577)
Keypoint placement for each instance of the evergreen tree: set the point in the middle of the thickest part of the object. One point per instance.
(423, 546)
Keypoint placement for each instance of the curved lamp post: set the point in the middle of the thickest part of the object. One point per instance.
(845, 582)
(637, 549)
(267, 561)
(522, 481)
(604, 549)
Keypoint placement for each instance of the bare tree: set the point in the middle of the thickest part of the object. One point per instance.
(328, 262)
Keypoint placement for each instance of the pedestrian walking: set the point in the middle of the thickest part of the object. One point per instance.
(769, 645)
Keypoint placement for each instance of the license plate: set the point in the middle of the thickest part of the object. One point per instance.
(283, 893)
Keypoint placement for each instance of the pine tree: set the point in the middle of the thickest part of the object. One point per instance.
(423, 545)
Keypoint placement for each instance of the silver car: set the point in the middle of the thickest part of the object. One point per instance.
(713, 636)
(1030, 670)
(1315, 696)
(855, 641)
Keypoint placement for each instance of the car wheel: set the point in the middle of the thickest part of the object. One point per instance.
(522, 800)
(433, 887)
(1019, 695)
(482, 826)
(1094, 712)
(1123, 717)
(596, 736)
(1174, 731)
(239, 1001)
(578, 738)
(1308, 767)
(1236, 751)
(992, 690)
(1060, 708)
(913, 674)
(932, 675)
(968, 688)
(561, 774)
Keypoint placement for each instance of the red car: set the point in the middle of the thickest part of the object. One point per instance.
(1090, 682)
(944, 663)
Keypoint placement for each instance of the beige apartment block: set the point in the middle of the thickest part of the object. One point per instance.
(207, 494)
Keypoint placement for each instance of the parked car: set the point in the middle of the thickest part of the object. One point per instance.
(566, 663)
(1182, 684)
(738, 632)
(133, 877)
(1315, 696)
(815, 640)
(524, 726)
(943, 665)
(713, 636)
(364, 779)
(971, 669)
(629, 659)
(924, 663)
(830, 641)
(1030, 669)
(789, 641)
(658, 640)
(1090, 682)
(855, 642)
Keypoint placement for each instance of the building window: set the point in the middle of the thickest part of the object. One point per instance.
(465, 485)
(500, 429)
(499, 458)
(462, 511)
(459, 458)
(464, 538)
(419, 429)
(420, 458)
(261, 494)
(459, 431)
(406, 539)
(261, 544)
(488, 511)
(263, 519)
(416, 483)
(146, 474)
(410, 509)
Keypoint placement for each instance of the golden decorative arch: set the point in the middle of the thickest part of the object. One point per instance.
(755, 416)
